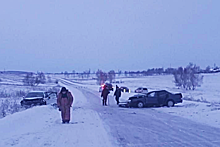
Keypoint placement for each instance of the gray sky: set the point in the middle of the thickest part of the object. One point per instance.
(55, 35)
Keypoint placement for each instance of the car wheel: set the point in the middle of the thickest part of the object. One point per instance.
(140, 104)
(170, 103)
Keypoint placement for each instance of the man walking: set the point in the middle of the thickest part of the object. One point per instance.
(117, 94)
(64, 102)
(104, 94)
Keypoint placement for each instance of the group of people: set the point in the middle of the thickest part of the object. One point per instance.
(105, 93)
(65, 100)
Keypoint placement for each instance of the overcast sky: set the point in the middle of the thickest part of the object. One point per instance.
(66, 35)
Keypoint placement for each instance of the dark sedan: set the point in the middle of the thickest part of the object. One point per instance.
(124, 89)
(154, 98)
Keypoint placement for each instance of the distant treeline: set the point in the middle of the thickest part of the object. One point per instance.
(148, 72)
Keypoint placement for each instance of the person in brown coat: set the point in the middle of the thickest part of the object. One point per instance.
(64, 102)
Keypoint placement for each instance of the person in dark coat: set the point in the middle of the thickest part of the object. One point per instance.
(105, 93)
(64, 102)
(117, 94)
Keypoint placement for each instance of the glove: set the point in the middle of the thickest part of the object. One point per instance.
(59, 109)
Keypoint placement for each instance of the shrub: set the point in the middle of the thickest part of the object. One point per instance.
(9, 108)
(188, 77)
(6, 94)
(101, 77)
(4, 108)
(29, 79)
(32, 79)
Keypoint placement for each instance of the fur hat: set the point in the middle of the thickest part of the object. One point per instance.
(63, 89)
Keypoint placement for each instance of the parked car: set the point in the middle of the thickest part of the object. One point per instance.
(141, 90)
(108, 86)
(124, 89)
(37, 98)
(154, 98)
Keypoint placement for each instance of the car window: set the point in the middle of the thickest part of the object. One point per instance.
(35, 94)
(151, 94)
(144, 88)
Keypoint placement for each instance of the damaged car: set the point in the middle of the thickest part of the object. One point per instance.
(34, 98)
(153, 98)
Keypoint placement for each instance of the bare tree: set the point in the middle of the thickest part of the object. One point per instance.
(101, 77)
(29, 79)
(4, 108)
(32, 79)
(40, 78)
(188, 77)
(111, 76)
(74, 73)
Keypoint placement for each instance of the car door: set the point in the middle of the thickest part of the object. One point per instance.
(51, 97)
(162, 95)
(152, 98)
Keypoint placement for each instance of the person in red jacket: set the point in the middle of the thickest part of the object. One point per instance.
(64, 102)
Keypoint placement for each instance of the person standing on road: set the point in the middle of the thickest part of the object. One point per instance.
(64, 102)
(104, 94)
(117, 94)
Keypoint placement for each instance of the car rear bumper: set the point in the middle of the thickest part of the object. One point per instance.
(179, 101)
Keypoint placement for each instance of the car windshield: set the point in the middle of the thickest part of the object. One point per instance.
(35, 94)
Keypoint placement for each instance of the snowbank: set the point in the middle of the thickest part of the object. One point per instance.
(41, 126)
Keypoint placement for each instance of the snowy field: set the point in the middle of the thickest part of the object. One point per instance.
(200, 105)
(12, 91)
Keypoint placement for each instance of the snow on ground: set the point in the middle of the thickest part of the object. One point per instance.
(15, 79)
(205, 113)
(204, 104)
(20, 128)
(209, 91)
(12, 91)
(41, 126)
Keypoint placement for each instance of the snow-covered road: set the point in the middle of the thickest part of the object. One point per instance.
(149, 127)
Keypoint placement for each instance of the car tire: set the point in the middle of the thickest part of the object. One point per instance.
(22, 104)
(140, 104)
(170, 103)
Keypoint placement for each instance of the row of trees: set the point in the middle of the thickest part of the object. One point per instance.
(148, 72)
(74, 74)
(32, 79)
(186, 77)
